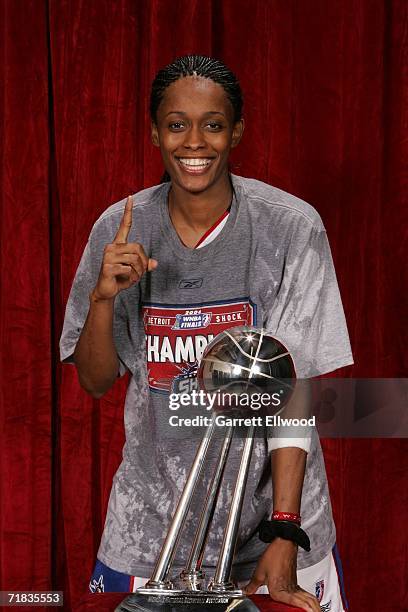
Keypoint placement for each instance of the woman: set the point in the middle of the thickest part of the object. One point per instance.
(234, 251)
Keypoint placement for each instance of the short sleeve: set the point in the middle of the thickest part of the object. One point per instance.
(125, 324)
(307, 314)
(77, 306)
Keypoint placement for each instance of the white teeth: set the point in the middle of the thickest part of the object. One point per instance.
(195, 162)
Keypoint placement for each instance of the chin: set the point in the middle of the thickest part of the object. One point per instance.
(195, 184)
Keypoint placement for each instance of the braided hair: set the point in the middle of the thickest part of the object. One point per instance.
(196, 65)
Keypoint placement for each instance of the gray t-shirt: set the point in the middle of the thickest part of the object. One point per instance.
(271, 267)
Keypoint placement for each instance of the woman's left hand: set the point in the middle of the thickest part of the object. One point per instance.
(277, 569)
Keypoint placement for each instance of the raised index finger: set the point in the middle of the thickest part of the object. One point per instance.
(126, 222)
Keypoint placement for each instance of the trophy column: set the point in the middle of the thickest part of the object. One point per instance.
(159, 576)
(221, 581)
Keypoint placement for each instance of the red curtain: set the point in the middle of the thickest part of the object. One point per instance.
(325, 120)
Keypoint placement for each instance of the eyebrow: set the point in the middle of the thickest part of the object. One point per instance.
(205, 114)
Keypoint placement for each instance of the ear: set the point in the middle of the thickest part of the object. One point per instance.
(237, 132)
(155, 134)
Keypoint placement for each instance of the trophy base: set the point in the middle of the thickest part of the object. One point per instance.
(186, 601)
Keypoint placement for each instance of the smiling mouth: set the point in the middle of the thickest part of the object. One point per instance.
(194, 164)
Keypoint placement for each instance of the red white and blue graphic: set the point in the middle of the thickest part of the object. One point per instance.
(177, 335)
(192, 320)
(319, 590)
(97, 586)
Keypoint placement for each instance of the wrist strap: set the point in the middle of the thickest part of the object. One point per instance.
(286, 516)
(287, 530)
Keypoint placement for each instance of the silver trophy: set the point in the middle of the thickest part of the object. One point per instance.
(239, 360)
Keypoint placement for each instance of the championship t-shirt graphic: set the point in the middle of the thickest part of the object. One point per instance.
(177, 335)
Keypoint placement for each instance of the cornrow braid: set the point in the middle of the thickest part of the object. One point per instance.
(196, 65)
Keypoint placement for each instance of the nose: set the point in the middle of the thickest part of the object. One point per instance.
(194, 138)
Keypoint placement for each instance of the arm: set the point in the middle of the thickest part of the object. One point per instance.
(288, 459)
(95, 354)
(307, 314)
(122, 266)
(288, 470)
(277, 566)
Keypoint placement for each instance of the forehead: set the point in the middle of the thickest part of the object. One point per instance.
(195, 95)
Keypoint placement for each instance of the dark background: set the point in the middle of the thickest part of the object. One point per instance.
(325, 120)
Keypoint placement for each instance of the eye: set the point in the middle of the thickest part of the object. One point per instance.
(214, 126)
(176, 125)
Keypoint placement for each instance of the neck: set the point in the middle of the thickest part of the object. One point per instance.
(199, 210)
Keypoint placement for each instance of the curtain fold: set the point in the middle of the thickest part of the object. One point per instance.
(26, 318)
(325, 112)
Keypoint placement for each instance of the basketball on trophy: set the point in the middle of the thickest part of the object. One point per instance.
(247, 361)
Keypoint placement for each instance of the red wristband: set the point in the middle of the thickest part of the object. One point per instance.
(286, 516)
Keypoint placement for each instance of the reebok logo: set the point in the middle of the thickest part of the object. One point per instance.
(190, 283)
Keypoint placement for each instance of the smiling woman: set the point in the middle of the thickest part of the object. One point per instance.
(168, 270)
(196, 134)
(196, 125)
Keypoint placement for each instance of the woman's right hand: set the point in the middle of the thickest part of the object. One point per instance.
(124, 263)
